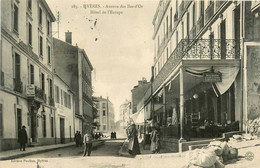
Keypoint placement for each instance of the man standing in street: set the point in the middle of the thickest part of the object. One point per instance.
(87, 140)
(22, 138)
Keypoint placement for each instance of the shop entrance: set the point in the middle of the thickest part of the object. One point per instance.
(62, 131)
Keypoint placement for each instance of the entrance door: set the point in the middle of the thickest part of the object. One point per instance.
(33, 125)
(62, 133)
(19, 119)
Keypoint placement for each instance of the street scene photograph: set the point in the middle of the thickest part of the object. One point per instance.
(130, 83)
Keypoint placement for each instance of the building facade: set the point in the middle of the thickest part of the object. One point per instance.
(65, 111)
(125, 112)
(138, 93)
(73, 66)
(106, 115)
(26, 94)
(199, 74)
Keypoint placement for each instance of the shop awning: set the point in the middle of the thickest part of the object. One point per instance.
(138, 117)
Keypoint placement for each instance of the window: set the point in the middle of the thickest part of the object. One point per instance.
(40, 16)
(57, 94)
(52, 127)
(188, 23)
(171, 19)
(193, 15)
(65, 99)
(104, 112)
(41, 47)
(69, 101)
(201, 8)
(44, 125)
(48, 27)
(29, 4)
(51, 88)
(16, 18)
(104, 127)
(61, 97)
(49, 55)
(30, 34)
(31, 74)
(1, 120)
(17, 66)
(19, 119)
(103, 105)
(43, 81)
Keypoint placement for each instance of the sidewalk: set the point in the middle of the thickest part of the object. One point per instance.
(146, 153)
(13, 154)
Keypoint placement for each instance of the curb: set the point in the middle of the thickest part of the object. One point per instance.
(44, 150)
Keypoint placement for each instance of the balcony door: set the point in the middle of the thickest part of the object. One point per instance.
(223, 39)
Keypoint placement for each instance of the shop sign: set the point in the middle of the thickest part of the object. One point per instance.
(212, 77)
(30, 90)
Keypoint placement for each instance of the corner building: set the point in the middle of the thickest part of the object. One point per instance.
(201, 49)
(26, 90)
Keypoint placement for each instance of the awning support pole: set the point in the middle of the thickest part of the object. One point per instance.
(181, 103)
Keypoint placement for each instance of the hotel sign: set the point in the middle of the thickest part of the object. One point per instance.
(30, 90)
(212, 77)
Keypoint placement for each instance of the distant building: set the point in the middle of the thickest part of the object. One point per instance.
(26, 78)
(106, 115)
(138, 93)
(74, 67)
(124, 113)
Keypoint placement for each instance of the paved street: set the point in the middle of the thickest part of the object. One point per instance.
(110, 148)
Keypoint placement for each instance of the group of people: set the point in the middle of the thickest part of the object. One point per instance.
(113, 135)
(78, 138)
(132, 135)
(98, 135)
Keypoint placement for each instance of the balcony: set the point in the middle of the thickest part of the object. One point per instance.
(209, 12)
(192, 32)
(2, 82)
(18, 85)
(214, 49)
(84, 76)
(39, 93)
(204, 49)
(87, 99)
(51, 101)
(200, 23)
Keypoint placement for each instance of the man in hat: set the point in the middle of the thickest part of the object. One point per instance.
(22, 138)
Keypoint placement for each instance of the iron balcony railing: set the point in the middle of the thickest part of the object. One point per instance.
(209, 12)
(18, 85)
(204, 49)
(39, 93)
(213, 49)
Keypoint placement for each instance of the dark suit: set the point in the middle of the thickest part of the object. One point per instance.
(22, 138)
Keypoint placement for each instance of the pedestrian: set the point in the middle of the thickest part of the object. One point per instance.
(87, 140)
(80, 139)
(155, 139)
(76, 138)
(133, 145)
(114, 134)
(22, 138)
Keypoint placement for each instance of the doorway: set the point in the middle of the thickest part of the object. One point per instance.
(62, 131)
(33, 125)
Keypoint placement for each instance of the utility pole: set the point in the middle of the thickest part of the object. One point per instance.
(58, 21)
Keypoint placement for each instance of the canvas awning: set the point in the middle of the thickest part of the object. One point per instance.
(138, 117)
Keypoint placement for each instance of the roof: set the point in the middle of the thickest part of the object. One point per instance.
(53, 19)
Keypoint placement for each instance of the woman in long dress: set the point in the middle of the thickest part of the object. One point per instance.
(155, 140)
(133, 145)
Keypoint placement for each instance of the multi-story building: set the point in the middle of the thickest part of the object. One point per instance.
(64, 114)
(138, 93)
(26, 91)
(74, 67)
(106, 115)
(125, 112)
(200, 75)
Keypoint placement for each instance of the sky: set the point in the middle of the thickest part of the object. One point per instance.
(117, 37)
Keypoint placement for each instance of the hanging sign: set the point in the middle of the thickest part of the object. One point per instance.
(30, 90)
(212, 77)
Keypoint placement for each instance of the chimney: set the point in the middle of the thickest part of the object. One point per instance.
(68, 37)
